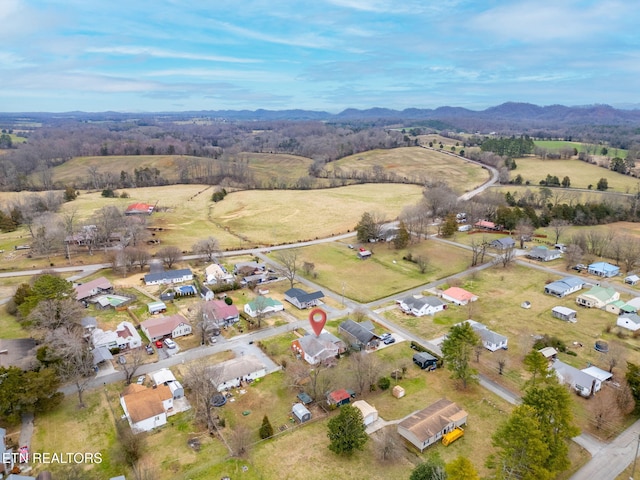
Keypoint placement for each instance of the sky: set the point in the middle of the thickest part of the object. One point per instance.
(177, 55)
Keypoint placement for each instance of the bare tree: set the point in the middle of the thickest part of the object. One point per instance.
(598, 241)
(506, 256)
(524, 230)
(108, 219)
(55, 313)
(240, 440)
(558, 227)
(321, 378)
(573, 255)
(135, 230)
(141, 256)
(365, 370)
(615, 356)
(170, 255)
(199, 380)
(624, 397)
(478, 250)
(134, 361)
(605, 410)
(74, 358)
(288, 260)
(48, 234)
(388, 446)
(422, 262)
(502, 362)
(205, 322)
(630, 253)
(208, 247)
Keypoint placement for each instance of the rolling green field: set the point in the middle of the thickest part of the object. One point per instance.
(580, 173)
(417, 164)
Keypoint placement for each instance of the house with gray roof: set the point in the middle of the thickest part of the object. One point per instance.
(170, 276)
(630, 321)
(563, 287)
(359, 334)
(418, 305)
(491, 340)
(317, 349)
(564, 313)
(503, 243)
(302, 299)
(544, 254)
(585, 382)
(603, 269)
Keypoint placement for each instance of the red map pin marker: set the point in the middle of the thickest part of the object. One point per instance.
(317, 319)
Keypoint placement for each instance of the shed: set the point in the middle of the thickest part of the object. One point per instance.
(369, 412)
(176, 389)
(632, 279)
(398, 391)
(156, 307)
(564, 313)
(301, 413)
(305, 398)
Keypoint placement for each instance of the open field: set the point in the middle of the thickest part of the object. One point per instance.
(557, 145)
(269, 170)
(385, 273)
(416, 164)
(580, 173)
(268, 217)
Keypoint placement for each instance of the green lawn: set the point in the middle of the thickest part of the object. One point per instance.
(385, 273)
(557, 145)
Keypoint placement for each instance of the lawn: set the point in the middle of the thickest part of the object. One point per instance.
(557, 145)
(385, 273)
(417, 165)
(581, 174)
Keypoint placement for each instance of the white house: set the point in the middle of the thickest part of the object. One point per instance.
(544, 254)
(125, 336)
(491, 340)
(316, 349)
(170, 276)
(418, 305)
(216, 273)
(146, 408)
(232, 373)
(563, 287)
(160, 327)
(630, 321)
(585, 382)
(425, 427)
(459, 296)
(262, 305)
(598, 297)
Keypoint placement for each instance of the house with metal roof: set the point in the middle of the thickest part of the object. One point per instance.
(631, 279)
(302, 299)
(92, 288)
(630, 321)
(425, 427)
(419, 306)
(563, 287)
(603, 269)
(169, 276)
(544, 254)
(459, 296)
(597, 297)
(262, 305)
(232, 373)
(564, 313)
(503, 243)
(491, 340)
(585, 382)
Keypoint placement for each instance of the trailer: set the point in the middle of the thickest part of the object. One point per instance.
(452, 436)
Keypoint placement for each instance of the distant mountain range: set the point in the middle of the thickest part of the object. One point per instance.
(510, 114)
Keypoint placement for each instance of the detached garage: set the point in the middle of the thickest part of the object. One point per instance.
(301, 413)
(369, 412)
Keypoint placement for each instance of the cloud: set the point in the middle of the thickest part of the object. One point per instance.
(160, 53)
(308, 39)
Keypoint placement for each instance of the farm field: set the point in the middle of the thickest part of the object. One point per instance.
(580, 173)
(416, 164)
(385, 273)
(268, 170)
(272, 217)
(570, 196)
(581, 147)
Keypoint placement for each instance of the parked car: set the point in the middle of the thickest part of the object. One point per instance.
(169, 343)
(384, 336)
(158, 343)
(579, 267)
(140, 380)
(389, 340)
(149, 349)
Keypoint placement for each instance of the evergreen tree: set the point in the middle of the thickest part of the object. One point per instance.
(402, 238)
(366, 228)
(346, 431)
(457, 349)
(432, 469)
(450, 226)
(266, 430)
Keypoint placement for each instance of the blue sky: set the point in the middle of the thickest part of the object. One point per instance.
(172, 55)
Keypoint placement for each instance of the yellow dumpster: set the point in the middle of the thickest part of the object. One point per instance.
(452, 436)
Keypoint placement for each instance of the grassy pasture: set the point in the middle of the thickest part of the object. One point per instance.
(580, 173)
(568, 196)
(581, 147)
(416, 164)
(267, 217)
(385, 273)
